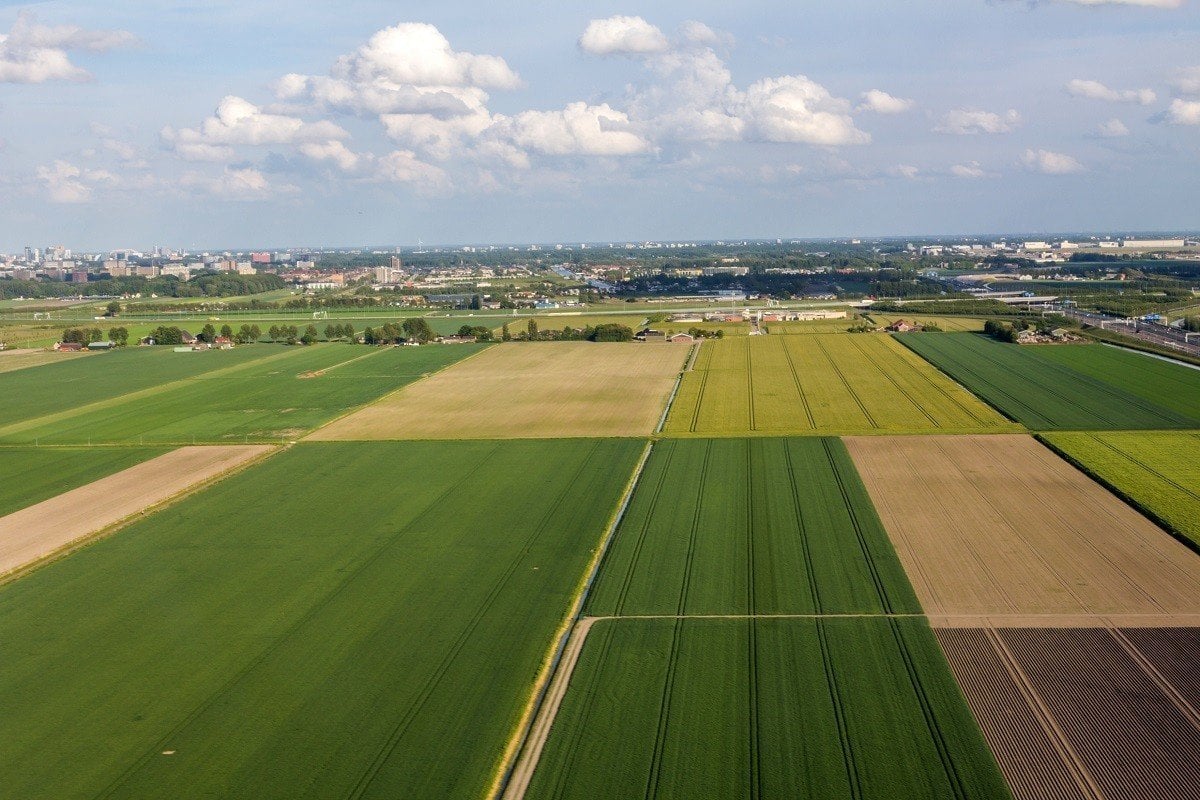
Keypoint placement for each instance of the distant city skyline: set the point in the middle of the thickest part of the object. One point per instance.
(265, 125)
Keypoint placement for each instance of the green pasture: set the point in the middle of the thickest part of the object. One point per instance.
(29, 475)
(341, 620)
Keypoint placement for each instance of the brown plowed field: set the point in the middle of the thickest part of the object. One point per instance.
(1101, 713)
(33, 533)
(546, 390)
(1000, 525)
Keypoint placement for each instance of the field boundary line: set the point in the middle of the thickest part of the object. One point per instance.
(1165, 686)
(514, 751)
(874, 362)
(1045, 719)
(1124, 496)
(787, 353)
(151, 391)
(386, 395)
(114, 528)
(687, 367)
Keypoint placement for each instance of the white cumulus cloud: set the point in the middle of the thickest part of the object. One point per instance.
(35, 53)
(883, 103)
(244, 183)
(1112, 129)
(970, 170)
(1184, 112)
(578, 129)
(1187, 80)
(332, 150)
(970, 121)
(240, 122)
(67, 183)
(1050, 163)
(621, 35)
(1095, 90)
(793, 108)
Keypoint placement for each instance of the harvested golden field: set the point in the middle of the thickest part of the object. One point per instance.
(997, 528)
(821, 383)
(536, 390)
(33, 533)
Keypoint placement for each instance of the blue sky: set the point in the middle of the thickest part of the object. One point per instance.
(223, 124)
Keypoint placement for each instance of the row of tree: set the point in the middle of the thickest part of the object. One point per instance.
(413, 329)
(85, 336)
(607, 332)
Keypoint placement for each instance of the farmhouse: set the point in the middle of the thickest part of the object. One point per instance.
(650, 335)
(683, 338)
(900, 326)
(68, 347)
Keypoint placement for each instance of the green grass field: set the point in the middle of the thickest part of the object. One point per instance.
(77, 382)
(341, 620)
(1062, 387)
(1159, 471)
(820, 383)
(1153, 379)
(750, 526)
(769, 708)
(285, 395)
(29, 475)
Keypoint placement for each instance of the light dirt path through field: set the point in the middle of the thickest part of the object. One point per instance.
(539, 732)
(39, 531)
(25, 357)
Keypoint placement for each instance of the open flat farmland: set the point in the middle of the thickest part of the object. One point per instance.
(12, 360)
(98, 377)
(556, 322)
(539, 390)
(750, 526)
(342, 620)
(1172, 386)
(766, 708)
(1092, 713)
(38, 531)
(825, 383)
(952, 324)
(1159, 471)
(29, 475)
(995, 526)
(1034, 386)
(285, 395)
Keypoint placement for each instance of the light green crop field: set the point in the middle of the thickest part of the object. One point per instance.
(1158, 471)
(341, 620)
(284, 395)
(766, 708)
(1070, 386)
(29, 475)
(821, 383)
(556, 322)
(750, 526)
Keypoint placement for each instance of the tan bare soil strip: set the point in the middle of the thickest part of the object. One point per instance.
(22, 358)
(522, 773)
(547, 390)
(34, 533)
(999, 526)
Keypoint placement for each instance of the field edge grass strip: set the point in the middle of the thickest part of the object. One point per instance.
(1143, 509)
(687, 365)
(515, 751)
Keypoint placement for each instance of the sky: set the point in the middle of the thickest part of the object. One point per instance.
(221, 124)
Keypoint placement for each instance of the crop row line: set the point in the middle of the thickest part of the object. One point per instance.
(1152, 470)
(942, 389)
(312, 612)
(839, 713)
(856, 342)
(805, 545)
(856, 523)
(640, 542)
(846, 384)
(464, 636)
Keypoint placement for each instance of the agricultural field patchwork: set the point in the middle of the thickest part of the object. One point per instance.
(990, 527)
(282, 396)
(34, 533)
(823, 383)
(537, 390)
(1064, 387)
(76, 382)
(29, 475)
(750, 526)
(765, 708)
(1086, 713)
(361, 619)
(1159, 471)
